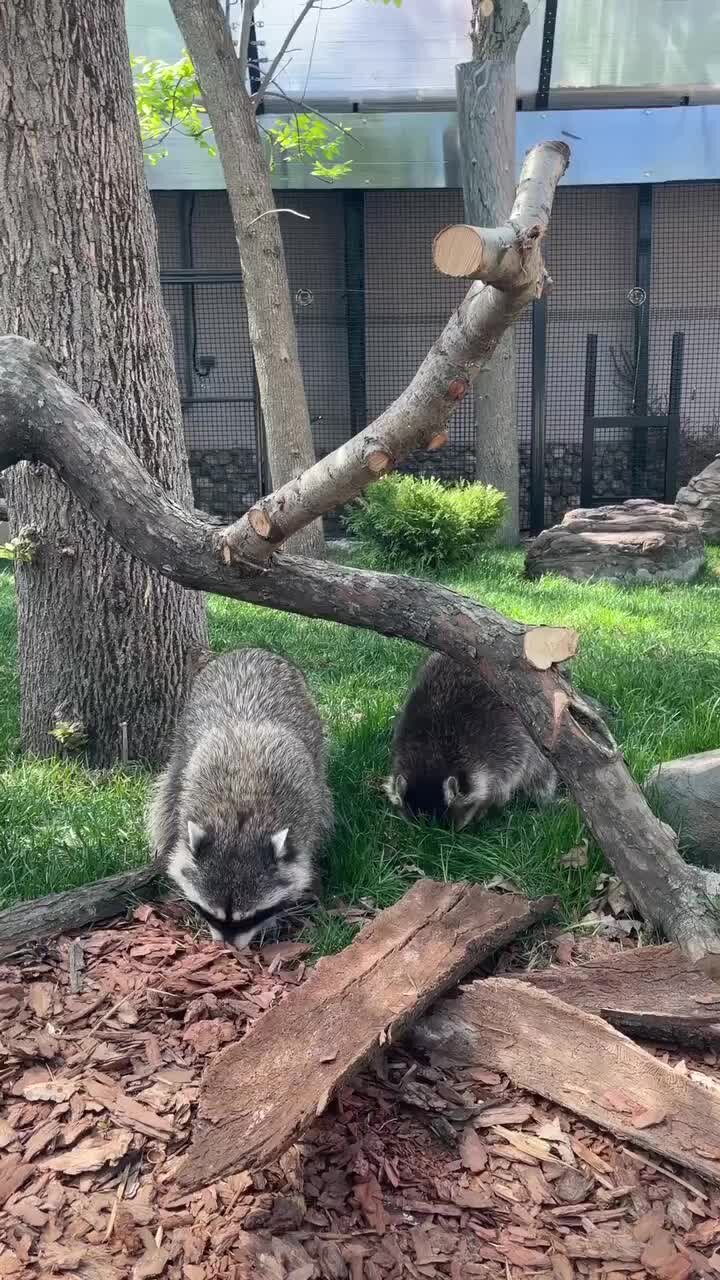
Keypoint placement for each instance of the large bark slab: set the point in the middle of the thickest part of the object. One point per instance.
(581, 1063)
(654, 979)
(42, 419)
(58, 913)
(261, 1094)
(650, 993)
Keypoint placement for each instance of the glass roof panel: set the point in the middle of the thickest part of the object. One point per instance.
(635, 43)
(365, 52)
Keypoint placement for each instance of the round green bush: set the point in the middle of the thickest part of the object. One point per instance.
(408, 520)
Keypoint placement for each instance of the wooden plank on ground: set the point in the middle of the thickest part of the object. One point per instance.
(76, 908)
(260, 1094)
(651, 993)
(580, 1062)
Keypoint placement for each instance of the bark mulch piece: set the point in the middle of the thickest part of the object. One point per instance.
(416, 1170)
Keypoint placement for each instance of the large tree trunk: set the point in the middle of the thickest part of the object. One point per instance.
(486, 128)
(104, 640)
(262, 256)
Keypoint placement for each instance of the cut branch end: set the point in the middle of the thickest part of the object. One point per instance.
(378, 463)
(544, 646)
(459, 251)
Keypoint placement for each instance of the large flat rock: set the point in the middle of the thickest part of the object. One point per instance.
(700, 501)
(686, 794)
(636, 541)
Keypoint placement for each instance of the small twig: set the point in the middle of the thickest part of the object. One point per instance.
(270, 73)
(123, 742)
(265, 213)
(674, 1177)
(304, 106)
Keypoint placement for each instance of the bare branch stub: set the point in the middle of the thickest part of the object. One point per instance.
(422, 410)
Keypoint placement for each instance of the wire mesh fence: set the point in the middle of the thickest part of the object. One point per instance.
(368, 304)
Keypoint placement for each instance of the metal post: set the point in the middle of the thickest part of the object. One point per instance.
(586, 478)
(672, 438)
(643, 266)
(185, 207)
(537, 437)
(546, 56)
(354, 213)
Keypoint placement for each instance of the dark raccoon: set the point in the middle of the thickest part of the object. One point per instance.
(242, 810)
(458, 750)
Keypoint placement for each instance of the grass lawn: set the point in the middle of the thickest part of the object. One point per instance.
(650, 654)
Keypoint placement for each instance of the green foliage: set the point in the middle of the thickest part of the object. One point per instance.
(168, 100)
(167, 96)
(20, 549)
(406, 520)
(310, 139)
(70, 734)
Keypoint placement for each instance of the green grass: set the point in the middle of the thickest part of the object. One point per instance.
(651, 654)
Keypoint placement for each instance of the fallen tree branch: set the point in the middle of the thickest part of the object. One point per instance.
(417, 418)
(259, 1095)
(43, 420)
(579, 1062)
(59, 913)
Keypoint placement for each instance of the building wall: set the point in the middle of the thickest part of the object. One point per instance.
(591, 256)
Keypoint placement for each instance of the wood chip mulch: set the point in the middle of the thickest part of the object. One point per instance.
(416, 1170)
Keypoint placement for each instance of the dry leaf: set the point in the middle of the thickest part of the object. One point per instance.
(562, 1267)
(59, 1090)
(40, 997)
(151, 1265)
(90, 1156)
(518, 1256)
(527, 1143)
(473, 1152)
(575, 857)
(659, 1251)
(369, 1196)
(652, 1114)
(503, 1114)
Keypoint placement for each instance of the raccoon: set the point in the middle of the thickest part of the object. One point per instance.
(242, 810)
(458, 750)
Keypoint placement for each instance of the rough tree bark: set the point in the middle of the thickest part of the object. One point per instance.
(44, 420)
(104, 639)
(486, 129)
(262, 256)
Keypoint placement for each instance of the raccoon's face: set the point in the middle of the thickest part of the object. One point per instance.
(240, 881)
(440, 799)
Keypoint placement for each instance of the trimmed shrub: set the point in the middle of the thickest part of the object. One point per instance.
(409, 520)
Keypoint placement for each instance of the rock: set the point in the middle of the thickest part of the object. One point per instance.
(700, 500)
(636, 541)
(686, 794)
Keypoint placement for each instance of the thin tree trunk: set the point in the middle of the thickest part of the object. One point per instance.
(486, 127)
(104, 640)
(262, 257)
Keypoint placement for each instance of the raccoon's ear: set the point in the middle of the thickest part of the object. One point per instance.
(395, 789)
(279, 844)
(451, 789)
(197, 837)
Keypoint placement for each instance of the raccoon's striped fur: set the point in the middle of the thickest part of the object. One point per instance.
(243, 809)
(458, 750)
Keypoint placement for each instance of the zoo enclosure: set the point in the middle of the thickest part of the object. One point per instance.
(632, 267)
